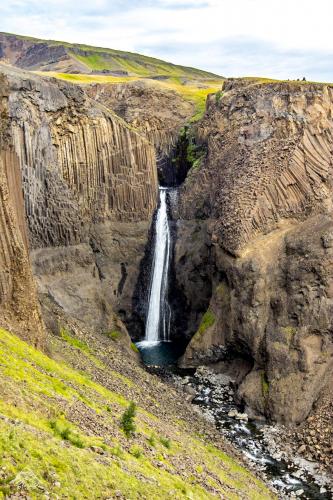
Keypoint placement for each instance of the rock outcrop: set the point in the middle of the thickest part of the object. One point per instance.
(264, 193)
(90, 186)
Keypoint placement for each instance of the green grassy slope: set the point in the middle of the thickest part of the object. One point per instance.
(60, 435)
(99, 58)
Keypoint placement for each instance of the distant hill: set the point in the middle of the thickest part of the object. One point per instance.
(61, 57)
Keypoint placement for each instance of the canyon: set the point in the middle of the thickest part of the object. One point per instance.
(251, 274)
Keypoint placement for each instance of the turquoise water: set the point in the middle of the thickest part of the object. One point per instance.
(159, 353)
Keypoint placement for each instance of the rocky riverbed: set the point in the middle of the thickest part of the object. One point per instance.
(264, 446)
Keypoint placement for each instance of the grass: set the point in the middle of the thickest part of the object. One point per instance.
(52, 419)
(62, 428)
(192, 91)
(74, 341)
(100, 58)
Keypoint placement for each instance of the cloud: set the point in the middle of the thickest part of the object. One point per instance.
(244, 37)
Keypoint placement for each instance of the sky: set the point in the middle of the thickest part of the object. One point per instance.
(278, 39)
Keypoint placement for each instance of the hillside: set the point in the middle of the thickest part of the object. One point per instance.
(50, 55)
(61, 433)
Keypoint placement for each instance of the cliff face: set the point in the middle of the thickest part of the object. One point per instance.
(156, 112)
(265, 194)
(88, 181)
(19, 308)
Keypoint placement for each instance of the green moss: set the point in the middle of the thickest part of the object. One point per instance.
(113, 335)
(74, 341)
(134, 348)
(289, 331)
(264, 385)
(218, 96)
(207, 321)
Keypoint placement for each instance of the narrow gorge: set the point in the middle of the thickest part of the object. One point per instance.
(175, 258)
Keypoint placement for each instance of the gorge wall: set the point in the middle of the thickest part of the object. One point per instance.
(259, 208)
(158, 113)
(90, 186)
(19, 306)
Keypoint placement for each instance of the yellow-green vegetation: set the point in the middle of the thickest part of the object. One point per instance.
(134, 347)
(192, 90)
(208, 320)
(127, 420)
(113, 335)
(222, 290)
(264, 385)
(87, 79)
(289, 331)
(79, 344)
(100, 58)
(74, 341)
(61, 436)
(263, 81)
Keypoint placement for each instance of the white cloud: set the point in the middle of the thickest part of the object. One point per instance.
(285, 35)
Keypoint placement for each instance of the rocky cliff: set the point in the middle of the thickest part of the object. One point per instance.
(19, 307)
(264, 198)
(158, 113)
(90, 186)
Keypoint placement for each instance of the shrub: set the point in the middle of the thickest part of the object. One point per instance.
(117, 452)
(62, 429)
(151, 440)
(127, 420)
(136, 452)
(166, 442)
(113, 335)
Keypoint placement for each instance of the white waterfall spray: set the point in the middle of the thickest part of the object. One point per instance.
(158, 317)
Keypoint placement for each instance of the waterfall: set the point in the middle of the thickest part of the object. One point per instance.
(158, 317)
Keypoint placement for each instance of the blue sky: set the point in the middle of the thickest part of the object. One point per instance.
(282, 39)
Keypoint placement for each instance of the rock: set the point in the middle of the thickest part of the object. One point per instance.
(98, 449)
(301, 449)
(260, 260)
(241, 416)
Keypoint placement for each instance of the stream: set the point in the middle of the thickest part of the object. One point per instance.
(214, 394)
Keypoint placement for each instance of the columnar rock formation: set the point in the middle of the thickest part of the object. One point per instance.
(265, 194)
(90, 186)
(19, 307)
(159, 113)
